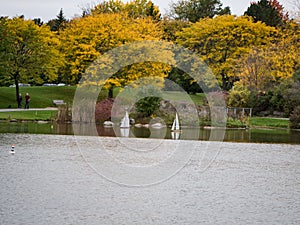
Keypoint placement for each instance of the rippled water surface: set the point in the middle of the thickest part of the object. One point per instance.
(231, 135)
(48, 181)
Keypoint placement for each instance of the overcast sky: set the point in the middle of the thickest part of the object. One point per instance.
(47, 10)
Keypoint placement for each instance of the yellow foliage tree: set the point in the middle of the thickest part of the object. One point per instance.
(88, 38)
(222, 40)
(263, 68)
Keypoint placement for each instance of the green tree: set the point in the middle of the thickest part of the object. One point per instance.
(59, 23)
(269, 12)
(148, 105)
(184, 81)
(224, 39)
(27, 52)
(193, 10)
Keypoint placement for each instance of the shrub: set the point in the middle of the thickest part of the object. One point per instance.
(103, 110)
(148, 100)
(148, 105)
(239, 97)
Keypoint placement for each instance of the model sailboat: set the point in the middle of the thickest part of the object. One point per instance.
(176, 125)
(125, 123)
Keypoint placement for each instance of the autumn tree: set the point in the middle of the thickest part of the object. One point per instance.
(271, 12)
(171, 27)
(222, 40)
(193, 10)
(28, 52)
(135, 9)
(88, 38)
(262, 69)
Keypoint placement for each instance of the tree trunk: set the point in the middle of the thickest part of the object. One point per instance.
(17, 88)
(111, 92)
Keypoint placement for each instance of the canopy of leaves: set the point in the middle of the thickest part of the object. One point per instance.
(193, 10)
(85, 39)
(222, 40)
(135, 9)
(28, 52)
(279, 61)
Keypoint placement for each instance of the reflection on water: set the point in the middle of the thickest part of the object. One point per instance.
(231, 135)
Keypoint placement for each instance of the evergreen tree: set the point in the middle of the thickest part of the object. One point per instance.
(59, 23)
(269, 12)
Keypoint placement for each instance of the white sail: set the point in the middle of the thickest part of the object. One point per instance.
(125, 121)
(175, 125)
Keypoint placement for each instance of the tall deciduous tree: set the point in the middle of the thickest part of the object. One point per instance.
(27, 52)
(193, 10)
(90, 37)
(263, 69)
(222, 40)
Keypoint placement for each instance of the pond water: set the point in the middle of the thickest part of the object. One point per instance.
(50, 180)
(231, 135)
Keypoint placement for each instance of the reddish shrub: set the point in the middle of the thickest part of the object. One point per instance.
(103, 110)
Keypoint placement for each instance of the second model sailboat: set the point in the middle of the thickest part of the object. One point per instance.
(176, 126)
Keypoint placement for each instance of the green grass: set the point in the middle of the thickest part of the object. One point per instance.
(34, 115)
(41, 97)
(181, 96)
(269, 122)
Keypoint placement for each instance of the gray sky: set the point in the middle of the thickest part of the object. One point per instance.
(49, 9)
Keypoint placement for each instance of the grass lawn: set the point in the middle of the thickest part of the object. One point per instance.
(269, 122)
(41, 96)
(45, 115)
(176, 95)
